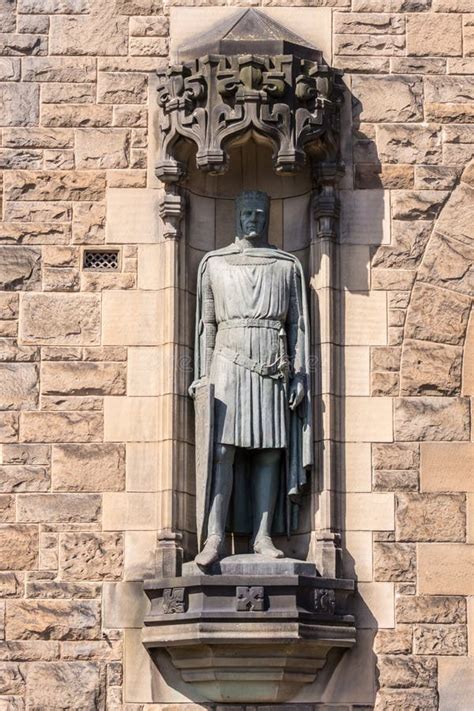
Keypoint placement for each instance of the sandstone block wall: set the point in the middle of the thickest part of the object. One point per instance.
(84, 388)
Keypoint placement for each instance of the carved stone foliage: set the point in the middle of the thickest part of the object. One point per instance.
(213, 100)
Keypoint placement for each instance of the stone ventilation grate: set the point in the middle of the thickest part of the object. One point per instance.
(101, 260)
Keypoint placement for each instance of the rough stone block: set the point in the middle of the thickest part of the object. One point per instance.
(437, 315)
(400, 671)
(122, 88)
(11, 679)
(91, 556)
(9, 427)
(397, 641)
(9, 69)
(102, 148)
(436, 609)
(431, 418)
(101, 32)
(71, 378)
(88, 467)
(440, 639)
(447, 466)
(62, 319)
(74, 685)
(7, 508)
(407, 699)
(435, 177)
(446, 569)
(23, 478)
(392, 99)
(395, 480)
(395, 456)
(18, 386)
(456, 219)
(418, 204)
(369, 22)
(19, 547)
(448, 263)
(434, 35)
(53, 619)
(431, 517)
(409, 143)
(76, 115)
(58, 508)
(62, 426)
(431, 368)
(395, 562)
(19, 104)
(54, 185)
(371, 44)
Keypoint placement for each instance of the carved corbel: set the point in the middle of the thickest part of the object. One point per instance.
(171, 211)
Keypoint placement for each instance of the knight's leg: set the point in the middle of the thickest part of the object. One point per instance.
(221, 491)
(265, 484)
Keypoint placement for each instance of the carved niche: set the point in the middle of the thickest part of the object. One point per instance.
(284, 91)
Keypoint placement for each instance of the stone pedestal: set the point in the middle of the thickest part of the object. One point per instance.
(253, 630)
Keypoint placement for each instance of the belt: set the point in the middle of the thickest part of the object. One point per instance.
(278, 369)
(250, 323)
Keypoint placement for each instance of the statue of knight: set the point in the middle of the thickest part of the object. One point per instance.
(252, 387)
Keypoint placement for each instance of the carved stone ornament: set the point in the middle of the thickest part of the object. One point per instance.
(250, 598)
(292, 99)
(173, 601)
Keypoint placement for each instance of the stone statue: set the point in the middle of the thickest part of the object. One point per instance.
(252, 359)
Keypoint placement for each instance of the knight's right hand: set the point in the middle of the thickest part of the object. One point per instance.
(192, 388)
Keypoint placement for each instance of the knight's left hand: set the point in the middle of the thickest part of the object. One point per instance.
(296, 393)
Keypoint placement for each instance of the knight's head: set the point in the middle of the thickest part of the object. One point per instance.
(252, 213)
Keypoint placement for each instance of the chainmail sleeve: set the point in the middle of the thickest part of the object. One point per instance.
(208, 325)
(295, 326)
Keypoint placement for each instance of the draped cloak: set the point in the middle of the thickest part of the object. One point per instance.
(253, 303)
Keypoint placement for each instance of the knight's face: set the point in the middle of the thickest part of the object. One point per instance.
(253, 219)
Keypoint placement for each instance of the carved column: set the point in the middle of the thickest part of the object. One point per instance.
(169, 553)
(325, 324)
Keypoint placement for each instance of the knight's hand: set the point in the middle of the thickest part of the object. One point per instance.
(296, 393)
(192, 388)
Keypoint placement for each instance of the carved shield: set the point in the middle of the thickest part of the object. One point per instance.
(204, 427)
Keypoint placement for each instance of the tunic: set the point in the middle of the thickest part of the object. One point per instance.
(251, 311)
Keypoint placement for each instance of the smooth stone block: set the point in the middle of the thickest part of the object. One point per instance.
(128, 512)
(132, 318)
(365, 216)
(374, 606)
(446, 569)
(455, 683)
(368, 419)
(132, 215)
(365, 319)
(369, 512)
(124, 605)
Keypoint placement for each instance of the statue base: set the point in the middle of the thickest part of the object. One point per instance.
(250, 630)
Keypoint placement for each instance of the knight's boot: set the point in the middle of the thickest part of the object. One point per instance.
(264, 546)
(211, 552)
